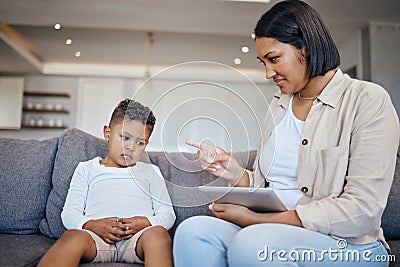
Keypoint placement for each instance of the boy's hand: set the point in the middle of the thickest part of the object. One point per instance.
(133, 225)
(220, 163)
(110, 230)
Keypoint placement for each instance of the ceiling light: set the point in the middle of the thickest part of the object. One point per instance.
(57, 26)
(237, 61)
(245, 49)
(68, 41)
(253, 35)
(78, 54)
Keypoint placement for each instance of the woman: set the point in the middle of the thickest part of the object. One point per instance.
(329, 142)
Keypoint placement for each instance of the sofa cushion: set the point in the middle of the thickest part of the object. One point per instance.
(25, 183)
(183, 175)
(391, 216)
(74, 146)
(394, 252)
(23, 250)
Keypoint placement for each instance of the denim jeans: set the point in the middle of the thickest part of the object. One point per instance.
(207, 242)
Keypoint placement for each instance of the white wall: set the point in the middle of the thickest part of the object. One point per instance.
(350, 53)
(226, 109)
(374, 50)
(11, 98)
(385, 58)
(97, 98)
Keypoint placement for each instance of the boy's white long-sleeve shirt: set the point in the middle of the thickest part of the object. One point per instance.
(98, 192)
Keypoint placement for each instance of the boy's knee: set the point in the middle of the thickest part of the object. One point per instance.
(157, 233)
(74, 235)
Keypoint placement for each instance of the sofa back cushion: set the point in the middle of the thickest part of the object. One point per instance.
(25, 181)
(74, 146)
(391, 216)
(181, 171)
(183, 175)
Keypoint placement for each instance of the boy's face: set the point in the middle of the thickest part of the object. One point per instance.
(127, 140)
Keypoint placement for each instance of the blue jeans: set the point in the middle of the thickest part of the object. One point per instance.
(207, 241)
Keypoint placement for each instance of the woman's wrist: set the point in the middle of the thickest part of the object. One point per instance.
(244, 180)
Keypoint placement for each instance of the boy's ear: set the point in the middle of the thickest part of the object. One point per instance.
(106, 132)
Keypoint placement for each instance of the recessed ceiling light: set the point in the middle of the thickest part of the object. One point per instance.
(78, 54)
(57, 26)
(237, 61)
(68, 41)
(245, 49)
(253, 35)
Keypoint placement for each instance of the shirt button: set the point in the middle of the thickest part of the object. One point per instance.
(304, 142)
(304, 189)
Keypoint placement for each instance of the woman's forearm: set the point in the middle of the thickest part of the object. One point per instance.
(287, 217)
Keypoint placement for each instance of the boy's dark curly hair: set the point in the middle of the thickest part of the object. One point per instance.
(133, 110)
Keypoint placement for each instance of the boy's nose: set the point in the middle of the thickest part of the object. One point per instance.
(130, 146)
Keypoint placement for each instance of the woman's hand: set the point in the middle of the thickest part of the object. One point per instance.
(110, 229)
(237, 214)
(243, 217)
(220, 163)
(133, 225)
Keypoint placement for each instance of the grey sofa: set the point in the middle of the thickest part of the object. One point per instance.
(35, 176)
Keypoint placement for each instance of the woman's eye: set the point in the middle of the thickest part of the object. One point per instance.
(273, 59)
(262, 62)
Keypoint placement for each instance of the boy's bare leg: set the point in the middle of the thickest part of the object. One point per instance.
(72, 246)
(155, 247)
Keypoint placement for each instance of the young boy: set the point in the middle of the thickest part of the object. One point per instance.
(117, 208)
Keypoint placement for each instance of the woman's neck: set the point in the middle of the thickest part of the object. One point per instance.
(316, 85)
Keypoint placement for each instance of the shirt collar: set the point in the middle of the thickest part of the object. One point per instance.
(283, 99)
(334, 90)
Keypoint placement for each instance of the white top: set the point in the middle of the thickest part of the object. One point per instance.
(282, 148)
(98, 192)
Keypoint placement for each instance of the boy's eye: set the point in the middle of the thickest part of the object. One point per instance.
(140, 143)
(125, 138)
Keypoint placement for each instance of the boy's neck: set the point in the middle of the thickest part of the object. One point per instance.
(106, 163)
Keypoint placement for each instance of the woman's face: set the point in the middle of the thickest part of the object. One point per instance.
(283, 63)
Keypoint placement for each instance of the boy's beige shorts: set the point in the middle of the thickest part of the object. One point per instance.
(122, 251)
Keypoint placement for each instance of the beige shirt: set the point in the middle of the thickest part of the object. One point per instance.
(347, 158)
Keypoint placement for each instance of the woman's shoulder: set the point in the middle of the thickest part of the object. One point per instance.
(369, 99)
(366, 88)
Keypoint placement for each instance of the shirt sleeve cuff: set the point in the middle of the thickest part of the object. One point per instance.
(82, 223)
(313, 217)
(251, 178)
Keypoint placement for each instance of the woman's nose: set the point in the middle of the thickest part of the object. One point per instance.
(269, 72)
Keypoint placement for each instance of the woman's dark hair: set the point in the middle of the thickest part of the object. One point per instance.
(296, 23)
(133, 110)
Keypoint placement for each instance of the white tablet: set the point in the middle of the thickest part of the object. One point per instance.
(256, 199)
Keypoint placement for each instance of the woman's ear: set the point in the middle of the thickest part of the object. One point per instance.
(304, 54)
(107, 133)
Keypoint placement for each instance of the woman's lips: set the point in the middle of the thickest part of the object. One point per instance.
(279, 82)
